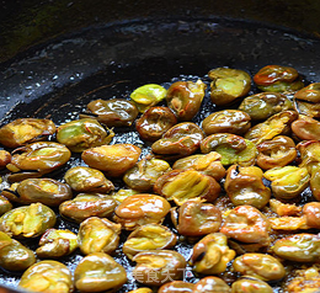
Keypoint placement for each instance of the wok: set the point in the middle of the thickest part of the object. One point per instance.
(59, 55)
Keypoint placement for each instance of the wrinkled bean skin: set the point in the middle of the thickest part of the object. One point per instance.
(155, 122)
(305, 281)
(306, 128)
(143, 175)
(275, 125)
(228, 84)
(113, 112)
(249, 284)
(244, 185)
(196, 218)
(284, 209)
(211, 285)
(298, 248)
(113, 160)
(26, 130)
(263, 105)
(208, 164)
(99, 272)
(149, 237)
(180, 186)
(47, 191)
(276, 78)
(227, 121)
(211, 254)
(37, 159)
(247, 224)
(5, 205)
(85, 179)
(278, 152)
(141, 209)
(5, 159)
(181, 140)
(13, 255)
(233, 149)
(184, 98)
(261, 266)
(311, 212)
(86, 205)
(57, 243)
(122, 194)
(288, 182)
(27, 221)
(47, 276)
(307, 100)
(147, 96)
(176, 287)
(98, 235)
(156, 267)
(79, 135)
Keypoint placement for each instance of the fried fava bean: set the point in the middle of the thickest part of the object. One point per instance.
(79, 135)
(148, 237)
(196, 218)
(86, 205)
(275, 125)
(141, 290)
(284, 209)
(113, 160)
(310, 154)
(307, 100)
(99, 272)
(278, 152)
(249, 284)
(26, 130)
(113, 112)
(211, 285)
(211, 254)
(276, 78)
(141, 209)
(288, 182)
(227, 121)
(305, 281)
(143, 175)
(98, 235)
(244, 185)
(181, 140)
(147, 96)
(155, 122)
(47, 191)
(288, 223)
(228, 84)
(47, 276)
(208, 164)
(247, 224)
(311, 212)
(57, 243)
(176, 287)
(28, 221)
(233, 149)
(261, 266)
(298, 247)
(306, 128)
(37, 159)
(184, 98)
(180, 186)
(263, 105)
(5, 205)
(5, 159)
(156, 267)
(122, 194)
(13, 255)
(85, 179)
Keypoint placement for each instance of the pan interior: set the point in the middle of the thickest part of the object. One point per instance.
(57, 79)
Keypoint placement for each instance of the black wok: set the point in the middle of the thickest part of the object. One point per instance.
(77, 52)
